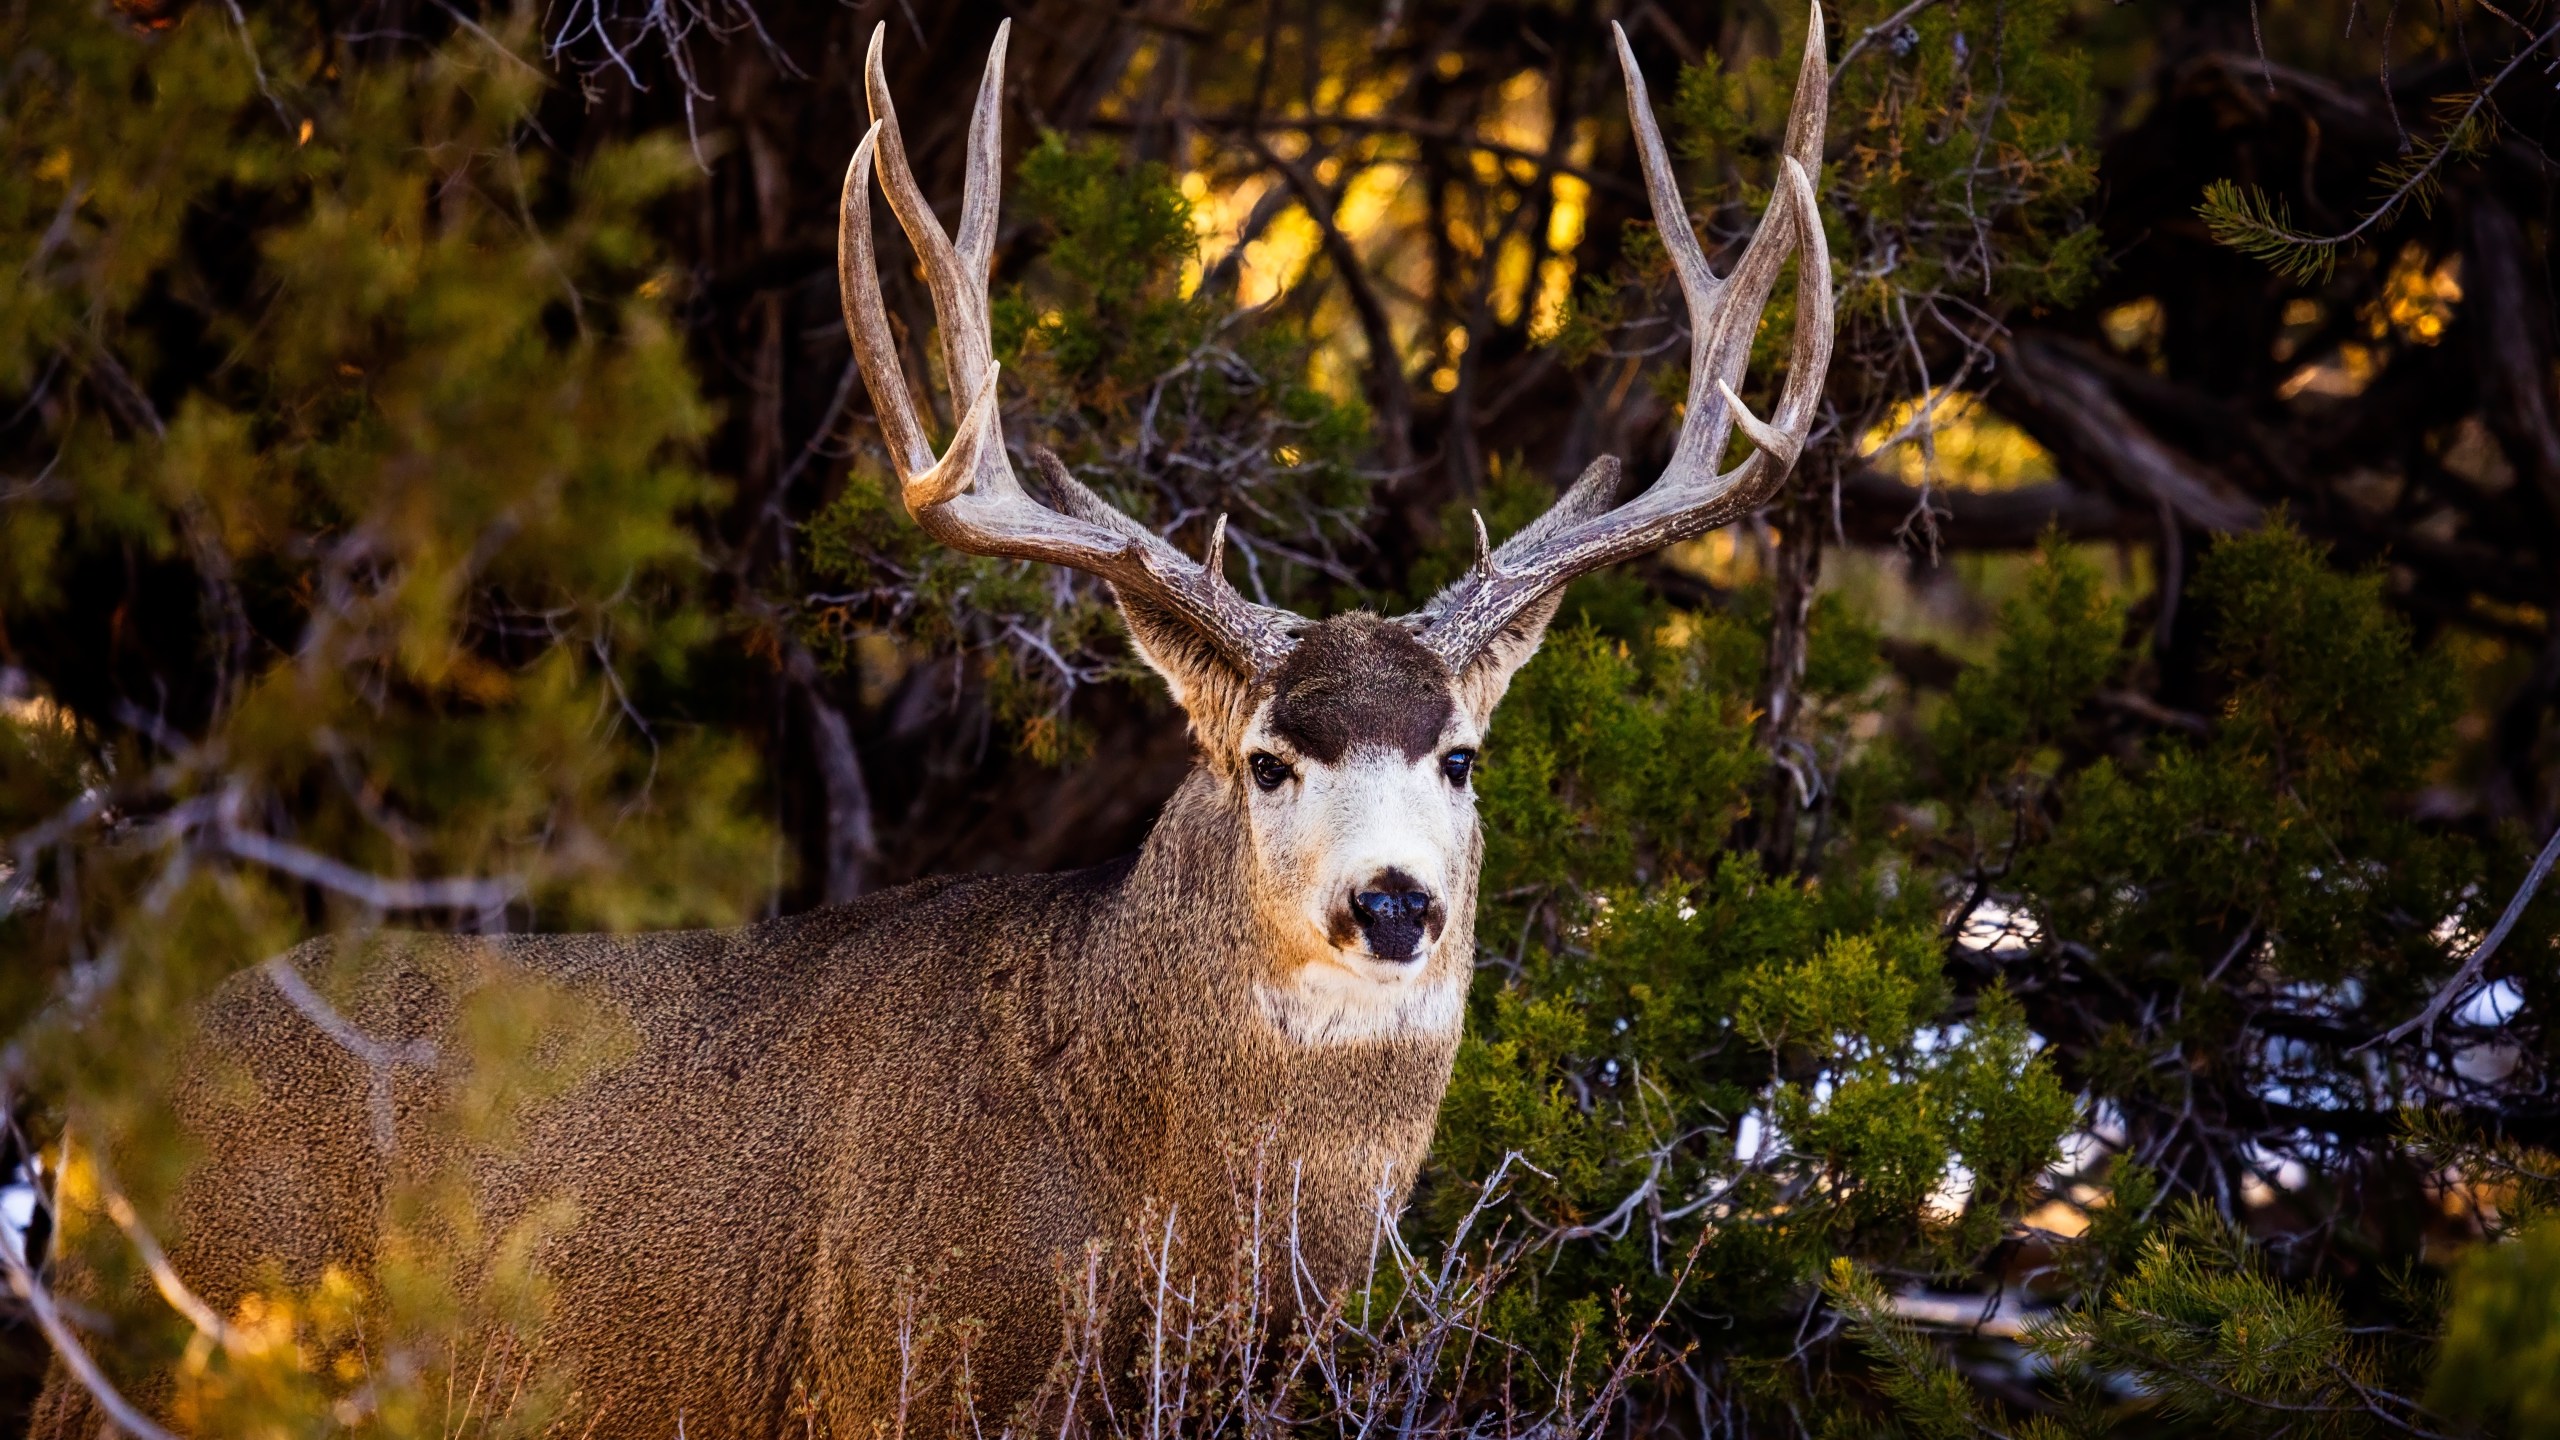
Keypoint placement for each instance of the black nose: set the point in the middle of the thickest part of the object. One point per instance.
(1393, 917)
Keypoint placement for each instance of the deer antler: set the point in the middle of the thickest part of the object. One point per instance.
(969, 498)
(1587, 529)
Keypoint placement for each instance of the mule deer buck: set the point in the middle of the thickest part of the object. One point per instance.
(975, 1077)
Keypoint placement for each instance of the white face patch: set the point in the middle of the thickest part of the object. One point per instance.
(1376, 824)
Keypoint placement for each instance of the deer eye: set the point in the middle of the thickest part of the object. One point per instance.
(1270, 771)
(1458, 765)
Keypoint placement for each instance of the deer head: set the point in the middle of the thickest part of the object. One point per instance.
(1344, 749)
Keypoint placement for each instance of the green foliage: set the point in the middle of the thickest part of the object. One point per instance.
(2193, 1330)
(2250, 221)
(2217, 1339)
(2326, 687)
(1119, 237)
(2058, 645)
(1927, 1397)
(2501, 1358)
(1970, 156)
(2273, 855)
(433, 422)
(416, 439)
(1650, 985)
(1687, 1051)
(2280, 824)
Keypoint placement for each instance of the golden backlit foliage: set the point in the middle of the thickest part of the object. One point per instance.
(1958, 442)
(2419, 294)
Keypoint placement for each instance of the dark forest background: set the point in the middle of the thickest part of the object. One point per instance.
(2030, 912)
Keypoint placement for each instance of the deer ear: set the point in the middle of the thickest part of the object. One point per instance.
(1204, 682)
(1487, 676)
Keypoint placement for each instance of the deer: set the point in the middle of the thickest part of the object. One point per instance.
(979, 1078)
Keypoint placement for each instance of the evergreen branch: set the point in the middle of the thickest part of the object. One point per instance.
(1930, 1396)
(2246, 220)
(2371, 1399)
(2198, 1380)
(2506, 1185)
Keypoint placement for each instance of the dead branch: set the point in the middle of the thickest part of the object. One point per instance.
(2064, 402)
(379, 892)
(380, 1060)
(2469, 975)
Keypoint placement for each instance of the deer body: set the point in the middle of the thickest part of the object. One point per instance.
(950, 1092)
(939, 1093)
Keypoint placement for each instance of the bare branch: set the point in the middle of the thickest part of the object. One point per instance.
(380, 1060)
(2469, 975)
(380, 892)
(164, 1276)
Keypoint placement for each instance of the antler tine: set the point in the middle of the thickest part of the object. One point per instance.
(1583, 532)
(1721, 329)
(1809, 355)
(959, 287)
(976, 235)
(1699, 286)
(866, 319)
(969, 497)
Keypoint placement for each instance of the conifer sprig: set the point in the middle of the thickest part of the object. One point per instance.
(2246, 219)
(2260, 226)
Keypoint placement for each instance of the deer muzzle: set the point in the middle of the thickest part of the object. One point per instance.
(1395, 915)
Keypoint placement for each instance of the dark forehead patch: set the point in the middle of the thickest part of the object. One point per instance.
(1360, 680)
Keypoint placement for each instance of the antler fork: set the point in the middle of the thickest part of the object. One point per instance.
(1587, 530)
(969, 498)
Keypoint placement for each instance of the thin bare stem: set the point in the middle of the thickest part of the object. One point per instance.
(2469, 975)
